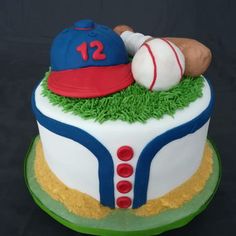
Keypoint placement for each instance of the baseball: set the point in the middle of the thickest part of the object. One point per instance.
(158, 65)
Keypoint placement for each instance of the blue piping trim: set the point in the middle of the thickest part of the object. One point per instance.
(154, 146)
(105, 163)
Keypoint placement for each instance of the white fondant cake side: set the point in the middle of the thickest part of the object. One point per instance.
(71, 162)
(77, 167)
(179, 166)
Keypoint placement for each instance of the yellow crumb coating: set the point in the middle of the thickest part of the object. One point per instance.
(76, 202)
(183, 193)
(86, 206)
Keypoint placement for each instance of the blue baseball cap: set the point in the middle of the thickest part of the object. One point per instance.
(88, 60)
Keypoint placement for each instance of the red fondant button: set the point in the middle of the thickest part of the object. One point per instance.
(124, 170)
(124, 186)
(123, 202)
(125, 153)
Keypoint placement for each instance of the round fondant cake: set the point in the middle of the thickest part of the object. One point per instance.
(107, 142)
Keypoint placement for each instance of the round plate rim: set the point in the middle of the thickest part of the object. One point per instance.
(98, 231)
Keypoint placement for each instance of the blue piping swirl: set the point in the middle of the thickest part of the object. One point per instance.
(154, 146)
(105, 163)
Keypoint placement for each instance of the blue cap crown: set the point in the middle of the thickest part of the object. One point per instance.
(87, 44)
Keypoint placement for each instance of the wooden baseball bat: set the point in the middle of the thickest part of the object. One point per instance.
(197, 55)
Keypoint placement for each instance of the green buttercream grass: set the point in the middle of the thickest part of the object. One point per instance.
(133, 104)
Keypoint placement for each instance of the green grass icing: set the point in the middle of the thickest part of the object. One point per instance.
(133, 104)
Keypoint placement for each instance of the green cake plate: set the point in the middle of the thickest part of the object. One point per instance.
(122, 222)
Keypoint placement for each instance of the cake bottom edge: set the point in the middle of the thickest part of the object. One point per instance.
(83, 205)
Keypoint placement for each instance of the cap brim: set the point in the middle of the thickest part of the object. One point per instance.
(90, 82)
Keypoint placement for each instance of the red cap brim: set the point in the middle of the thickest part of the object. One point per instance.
(90, 81)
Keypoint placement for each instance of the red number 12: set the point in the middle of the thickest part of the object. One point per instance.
(98, 53)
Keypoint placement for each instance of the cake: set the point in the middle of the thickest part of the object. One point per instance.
(111, 149)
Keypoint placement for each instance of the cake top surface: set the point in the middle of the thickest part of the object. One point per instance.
(92, 77)
(133, 104)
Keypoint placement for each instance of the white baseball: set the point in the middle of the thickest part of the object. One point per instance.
(158, 65)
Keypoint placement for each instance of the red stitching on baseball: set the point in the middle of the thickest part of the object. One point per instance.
(176, 56)
(154, 65)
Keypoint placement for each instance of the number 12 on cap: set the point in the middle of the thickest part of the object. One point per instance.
(97, 54)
